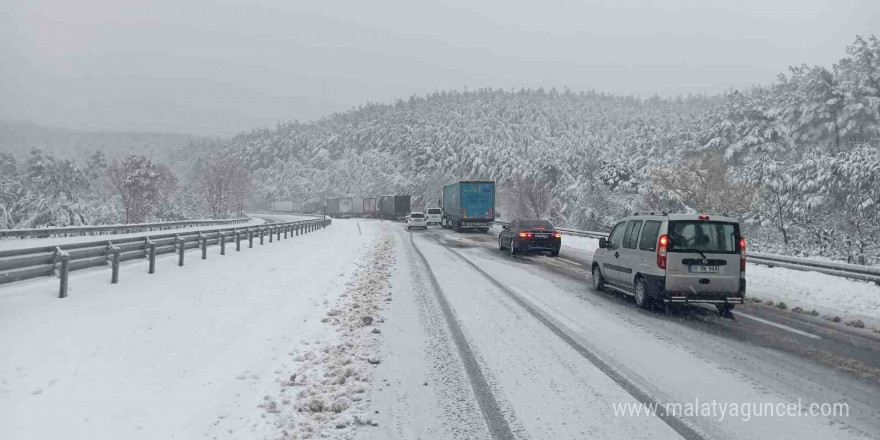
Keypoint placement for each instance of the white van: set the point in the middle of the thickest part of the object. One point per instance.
(674, 258)
(435, 216)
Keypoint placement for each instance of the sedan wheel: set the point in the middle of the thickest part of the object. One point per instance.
(512, 248)
(500, 244)
(598, 281)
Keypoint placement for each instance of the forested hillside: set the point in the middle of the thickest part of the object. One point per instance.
(60, 177)
(797, 159)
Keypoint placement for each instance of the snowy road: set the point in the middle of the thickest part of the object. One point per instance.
(364, 330)
(557, 356)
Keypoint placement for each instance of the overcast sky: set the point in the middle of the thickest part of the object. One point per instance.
(221, 67)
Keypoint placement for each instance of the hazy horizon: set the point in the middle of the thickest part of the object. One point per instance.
(218, 69)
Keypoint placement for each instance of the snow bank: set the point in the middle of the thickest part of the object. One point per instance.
(827, 294)
(324, 397)
(585, 244)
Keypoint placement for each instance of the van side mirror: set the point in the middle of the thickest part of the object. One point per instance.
(603, 243)
(505, 226)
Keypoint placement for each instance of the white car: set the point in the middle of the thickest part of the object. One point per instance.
(416, 220)
(435, 216)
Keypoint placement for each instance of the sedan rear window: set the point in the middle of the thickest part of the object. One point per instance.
(703, 236)
(417, 216)
(535, 224)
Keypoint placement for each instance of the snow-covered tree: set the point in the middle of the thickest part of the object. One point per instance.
(140, 186)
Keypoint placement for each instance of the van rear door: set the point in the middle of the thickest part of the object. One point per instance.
(703, 256)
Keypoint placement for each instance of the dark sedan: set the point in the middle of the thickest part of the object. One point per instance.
(530, 236)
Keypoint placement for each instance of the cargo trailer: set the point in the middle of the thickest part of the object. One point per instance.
(402, 206)
(357, 207)
(386, 207)
(371, 207)
(468, 205)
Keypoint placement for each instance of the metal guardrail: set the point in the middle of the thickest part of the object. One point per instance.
(852, 271)
(113, 229)
(25, 264)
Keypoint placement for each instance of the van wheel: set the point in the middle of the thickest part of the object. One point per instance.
(500, 244)
(643, 300)
(598, 280)
(724, 310)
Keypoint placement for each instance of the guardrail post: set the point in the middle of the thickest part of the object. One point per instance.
(63, 271)
(222, 239)
(250, 238)
(204, 241)
(296, 227)
(114, 262)
(271, 233)
(278, 231)
(286, 228)
(181, 247)
(151, 254)
(237, 241)
(262, 233)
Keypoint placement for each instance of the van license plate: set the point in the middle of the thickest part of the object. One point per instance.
(693, 268)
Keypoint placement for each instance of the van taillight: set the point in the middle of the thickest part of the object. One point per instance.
(661, 251)
(742, 255)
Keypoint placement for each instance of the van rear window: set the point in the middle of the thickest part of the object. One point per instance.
(434, 211)
(703, 236)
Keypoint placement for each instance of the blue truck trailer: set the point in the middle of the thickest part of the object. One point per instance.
(468, 205)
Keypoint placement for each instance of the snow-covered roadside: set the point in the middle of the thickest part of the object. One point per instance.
(813, 290)
(184, 353)
(11, 243)
(584, 244)
(324, 397)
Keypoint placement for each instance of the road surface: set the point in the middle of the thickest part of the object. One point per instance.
(552, 356)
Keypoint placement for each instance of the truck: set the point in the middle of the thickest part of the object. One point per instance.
(312, 208)
(386, 207)
(339, 208)
(357, 207)
(332, 208)
(402, 206)
(468, 205)
(371, 207)
(282, 206)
